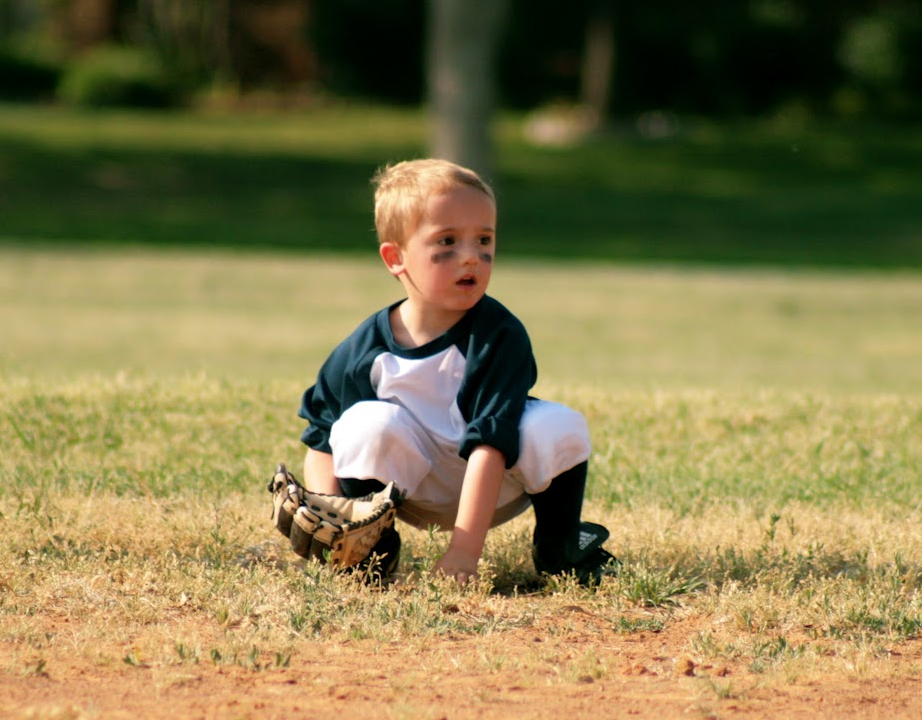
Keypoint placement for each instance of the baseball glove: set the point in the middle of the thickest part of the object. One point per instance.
(333, 529)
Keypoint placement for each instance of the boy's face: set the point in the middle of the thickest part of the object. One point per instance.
(446, 261)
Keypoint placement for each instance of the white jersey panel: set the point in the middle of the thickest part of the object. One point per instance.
(426, 387)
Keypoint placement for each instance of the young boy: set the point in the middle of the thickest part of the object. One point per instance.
(432, 392)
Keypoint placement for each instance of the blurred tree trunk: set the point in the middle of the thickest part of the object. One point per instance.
(462, 41)
(191, 36)
(598, 61)
(84, 23)
(243, 43)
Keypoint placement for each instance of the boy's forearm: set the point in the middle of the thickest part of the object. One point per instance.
(479, 495)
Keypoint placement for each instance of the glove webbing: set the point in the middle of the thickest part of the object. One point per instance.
(322, 526)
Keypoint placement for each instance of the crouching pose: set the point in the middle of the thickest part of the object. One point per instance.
(431, 394)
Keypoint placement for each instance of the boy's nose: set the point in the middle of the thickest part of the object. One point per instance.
(470, 255)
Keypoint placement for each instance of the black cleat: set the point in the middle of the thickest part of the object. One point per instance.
(582, 556)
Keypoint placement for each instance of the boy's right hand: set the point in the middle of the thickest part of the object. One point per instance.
(456, 564)
(479, 494)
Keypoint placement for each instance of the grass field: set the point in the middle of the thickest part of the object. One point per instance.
(757, 431)
(758, 446)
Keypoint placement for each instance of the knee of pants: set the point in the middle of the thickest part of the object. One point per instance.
(380, 440)
(554, 438)
(368, 423)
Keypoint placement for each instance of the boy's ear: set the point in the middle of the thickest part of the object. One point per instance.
(392, 257)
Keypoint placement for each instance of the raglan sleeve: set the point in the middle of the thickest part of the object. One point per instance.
(341, 382)
(502, 370)
(321, 405)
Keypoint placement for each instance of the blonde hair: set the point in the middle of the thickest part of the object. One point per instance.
(403, 189)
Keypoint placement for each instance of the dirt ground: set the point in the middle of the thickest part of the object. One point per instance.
(642, 675)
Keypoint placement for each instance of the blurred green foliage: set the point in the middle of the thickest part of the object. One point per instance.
(26, 78)
(116, 76)
(714, 57)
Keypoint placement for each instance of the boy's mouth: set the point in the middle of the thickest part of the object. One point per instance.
(467, 281)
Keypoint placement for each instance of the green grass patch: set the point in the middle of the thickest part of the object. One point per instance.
(688, 453)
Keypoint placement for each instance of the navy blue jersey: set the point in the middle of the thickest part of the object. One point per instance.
(468, 386)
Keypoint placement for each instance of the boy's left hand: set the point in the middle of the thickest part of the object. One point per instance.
(458, 565)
